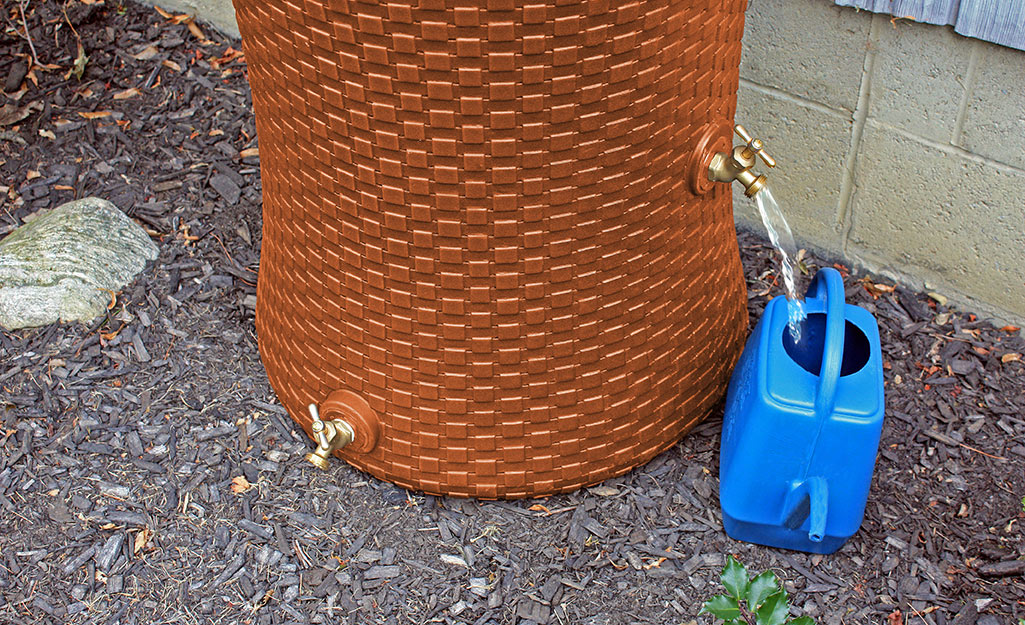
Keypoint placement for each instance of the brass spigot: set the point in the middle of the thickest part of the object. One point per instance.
(738, 164)
(330, 436)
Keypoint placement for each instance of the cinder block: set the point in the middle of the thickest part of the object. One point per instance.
(943, 218)
(810, 145)
(995, 121)
(219, 13)
(809, 48)
(919, 78)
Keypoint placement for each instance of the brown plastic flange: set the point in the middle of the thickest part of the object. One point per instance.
(714, 137)
(353, 409)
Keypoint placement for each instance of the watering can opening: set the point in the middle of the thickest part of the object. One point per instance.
(808, 351)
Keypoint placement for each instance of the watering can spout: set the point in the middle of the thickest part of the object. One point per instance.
(807, 500)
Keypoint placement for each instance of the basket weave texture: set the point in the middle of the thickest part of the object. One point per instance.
(476, 217)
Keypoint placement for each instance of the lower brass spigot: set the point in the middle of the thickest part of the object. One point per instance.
(330, 436)
(737, 165)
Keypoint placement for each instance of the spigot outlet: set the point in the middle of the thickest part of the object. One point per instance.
(737, 165)
(330, 436)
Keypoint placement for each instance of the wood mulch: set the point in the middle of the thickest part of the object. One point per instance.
(148, 475)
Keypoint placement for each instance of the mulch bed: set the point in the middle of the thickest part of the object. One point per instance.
(148, 475)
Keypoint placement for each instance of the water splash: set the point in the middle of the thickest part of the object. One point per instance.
(783, 240)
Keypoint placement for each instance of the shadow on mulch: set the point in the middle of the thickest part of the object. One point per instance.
(147, 473)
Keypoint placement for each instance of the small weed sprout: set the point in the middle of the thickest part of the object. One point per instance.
(758, 601)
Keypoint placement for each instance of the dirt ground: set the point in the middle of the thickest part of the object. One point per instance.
(148, 475)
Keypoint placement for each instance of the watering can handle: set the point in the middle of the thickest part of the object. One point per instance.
(832, 347)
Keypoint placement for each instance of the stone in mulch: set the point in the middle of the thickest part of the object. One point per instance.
(68, 263)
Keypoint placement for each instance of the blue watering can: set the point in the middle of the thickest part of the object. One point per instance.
(802, 425)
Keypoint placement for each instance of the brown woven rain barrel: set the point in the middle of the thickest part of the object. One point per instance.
(481, 239)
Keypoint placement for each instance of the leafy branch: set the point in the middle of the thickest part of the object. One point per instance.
(758, 601)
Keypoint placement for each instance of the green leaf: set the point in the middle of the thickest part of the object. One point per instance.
(735, 578)
(774, 611)
(79, 68)
(804, 620)
(721, 606)
(761, 588)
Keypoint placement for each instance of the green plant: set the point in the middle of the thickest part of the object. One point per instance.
(758, 601)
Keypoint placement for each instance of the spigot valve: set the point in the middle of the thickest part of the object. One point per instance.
(330, 436)
(738, 163)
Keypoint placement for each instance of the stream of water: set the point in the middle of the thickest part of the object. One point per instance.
(783, 240)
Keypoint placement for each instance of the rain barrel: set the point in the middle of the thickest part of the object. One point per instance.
(481, 233)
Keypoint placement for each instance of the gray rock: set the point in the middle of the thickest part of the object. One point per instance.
(65, 264)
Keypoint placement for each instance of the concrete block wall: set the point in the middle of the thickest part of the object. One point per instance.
(901, 146)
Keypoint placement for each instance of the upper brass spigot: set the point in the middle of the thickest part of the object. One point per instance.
(330, 436)
(738, 164)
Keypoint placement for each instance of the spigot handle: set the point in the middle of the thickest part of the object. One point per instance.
(318, 426)
(755, 145)
(743, 133)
